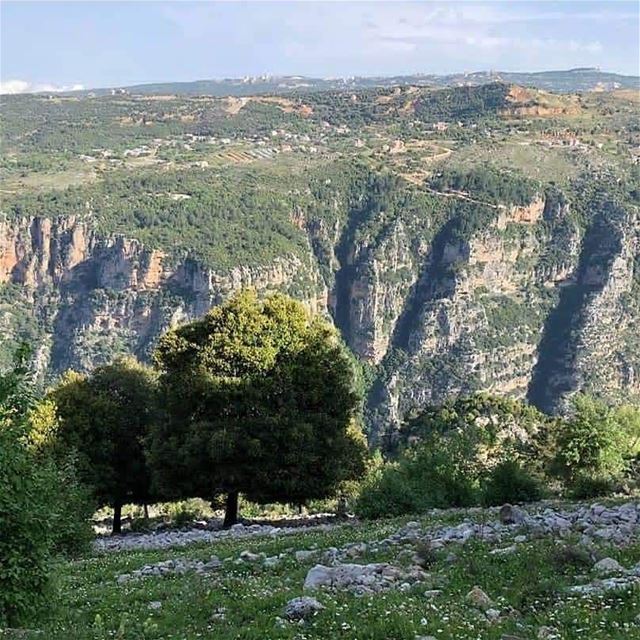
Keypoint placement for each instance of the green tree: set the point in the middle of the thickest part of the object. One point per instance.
(43, 510)
(104, 418)
(591, 442)
(502, 429)
(259, 398)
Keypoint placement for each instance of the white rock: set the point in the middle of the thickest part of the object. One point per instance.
(504, 551)
(608, 566)
(492, 614)
(302, 608)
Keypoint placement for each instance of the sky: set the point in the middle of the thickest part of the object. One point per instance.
(48, 46)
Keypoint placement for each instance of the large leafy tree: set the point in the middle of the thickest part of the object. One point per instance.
(260, 399)
(595, 441)
(105, 417)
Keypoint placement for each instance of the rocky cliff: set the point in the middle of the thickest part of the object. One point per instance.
(440, 295)
(94, 296)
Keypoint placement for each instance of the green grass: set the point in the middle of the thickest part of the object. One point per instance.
(245, 601)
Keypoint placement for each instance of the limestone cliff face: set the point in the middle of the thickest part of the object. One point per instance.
(531, 302)
(98, 296)
(591, 338)
(488, 311)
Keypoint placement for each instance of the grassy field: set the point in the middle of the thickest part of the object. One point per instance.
(245, 600)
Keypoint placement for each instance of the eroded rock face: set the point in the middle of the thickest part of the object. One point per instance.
(530, 304)
(99, 296)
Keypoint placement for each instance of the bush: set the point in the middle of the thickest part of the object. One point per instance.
(386, 493)
(72, 507)
(591, 443)
(509, 482)
(25, 531)
(428, 476)
(183, 517)
(584, 487)
(42, 508)
(70, 502)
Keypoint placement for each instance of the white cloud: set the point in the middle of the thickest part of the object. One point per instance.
(23, 86)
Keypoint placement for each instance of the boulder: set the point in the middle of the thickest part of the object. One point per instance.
(302, 608)
(478, 598)
(608, 566)
(511, 515)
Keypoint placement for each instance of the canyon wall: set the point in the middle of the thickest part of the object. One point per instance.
(525, 302)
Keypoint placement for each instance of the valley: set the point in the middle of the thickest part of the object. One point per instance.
(461, 238)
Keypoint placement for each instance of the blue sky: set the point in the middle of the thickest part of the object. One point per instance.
(49, 45)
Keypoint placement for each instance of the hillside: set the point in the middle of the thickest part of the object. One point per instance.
(566, 81)
(462, 238)
(482, 579)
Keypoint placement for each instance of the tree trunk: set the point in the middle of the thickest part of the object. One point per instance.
(145, 506)
(231, 510)
(117, 518)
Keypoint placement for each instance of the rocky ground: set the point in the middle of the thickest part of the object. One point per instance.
(544, 571)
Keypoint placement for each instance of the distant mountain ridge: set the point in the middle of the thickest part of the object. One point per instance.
(567, 81)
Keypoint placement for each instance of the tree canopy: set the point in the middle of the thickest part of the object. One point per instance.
(105, 418)
(259, 398)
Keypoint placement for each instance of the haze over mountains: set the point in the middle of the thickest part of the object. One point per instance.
(571, 80)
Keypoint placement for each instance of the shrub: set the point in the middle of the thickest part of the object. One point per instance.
(25, 531)
(72, 506)
(433, 474)
(509, 482)
(583, 487)
(183, 515)
(590, 443)
(70, 501)
(42, 508)
(386, 493)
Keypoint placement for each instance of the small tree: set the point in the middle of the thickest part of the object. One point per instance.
(43, 510)
(259, 398)
(104, 418)
(591, 442)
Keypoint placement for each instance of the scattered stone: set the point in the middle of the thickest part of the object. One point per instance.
(271, 561)
(362, 578)
(155, 604)
(219, 614)
(602, 586)
(492, 614)
(511, 515)
(478, 598)
(302, 608)
(547, 633)
(608, 566)
(432, 593)
(304, 555)
(504, 551)
(164, 539)
(168, 567)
